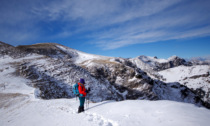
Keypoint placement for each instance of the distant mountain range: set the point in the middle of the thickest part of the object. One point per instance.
(53, 68)
(200, 60)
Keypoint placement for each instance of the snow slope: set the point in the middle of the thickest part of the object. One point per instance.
(187, 75)
(9, 82)
(179, 73)
(19, 107)
(62, 112)
(194, 77)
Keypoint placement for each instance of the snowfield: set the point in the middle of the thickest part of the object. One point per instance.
(19, 107)
(183, 72)
(192, 76)
(63, 112)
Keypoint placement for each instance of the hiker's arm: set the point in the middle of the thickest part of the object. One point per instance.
(88, 90)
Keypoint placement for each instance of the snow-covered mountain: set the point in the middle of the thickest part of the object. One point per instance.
(151, 65)
(196, 77)
(19, 107)
(52, 69)
(32, 73)
(200, 60)
(147, 62)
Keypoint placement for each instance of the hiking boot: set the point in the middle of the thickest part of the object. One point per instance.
(79, 109)
(83, 109)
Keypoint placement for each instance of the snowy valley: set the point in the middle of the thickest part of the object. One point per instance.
(36, 88)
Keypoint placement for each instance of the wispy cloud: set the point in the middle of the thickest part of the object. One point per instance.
(110, 24)
(177, 23)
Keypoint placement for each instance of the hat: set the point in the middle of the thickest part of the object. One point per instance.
(82, 81)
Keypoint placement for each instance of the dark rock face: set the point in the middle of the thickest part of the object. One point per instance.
(9, 50)
(176, 61)
(55, 78)
(120, 76)
(134, 83)
(49, 87)
(201, 94)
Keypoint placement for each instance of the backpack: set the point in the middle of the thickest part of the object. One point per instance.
(75, 89)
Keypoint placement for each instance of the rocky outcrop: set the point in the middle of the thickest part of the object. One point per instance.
(173, 62)
(9, 50)
(128, 80)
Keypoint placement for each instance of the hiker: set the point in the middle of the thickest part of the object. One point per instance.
(82, 93)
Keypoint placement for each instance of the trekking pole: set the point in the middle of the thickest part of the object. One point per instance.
(88, 102)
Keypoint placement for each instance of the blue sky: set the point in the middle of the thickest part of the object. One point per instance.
(120, 28)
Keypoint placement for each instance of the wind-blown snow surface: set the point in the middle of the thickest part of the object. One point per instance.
(19, 107)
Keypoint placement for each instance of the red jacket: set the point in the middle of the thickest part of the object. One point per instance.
(82, 89)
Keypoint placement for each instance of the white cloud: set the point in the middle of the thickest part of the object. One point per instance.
(99, 13)
(176, 23)
(150, 36)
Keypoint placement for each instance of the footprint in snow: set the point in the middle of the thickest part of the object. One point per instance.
(99, 120)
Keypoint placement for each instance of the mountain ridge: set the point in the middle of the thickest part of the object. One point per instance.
(58, 67)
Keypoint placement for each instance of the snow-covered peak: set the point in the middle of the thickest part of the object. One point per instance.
(173, 58)
(152, 60)
(148, 62)
(149, 59)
